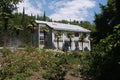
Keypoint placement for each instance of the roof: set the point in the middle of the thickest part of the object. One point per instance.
(61, 26)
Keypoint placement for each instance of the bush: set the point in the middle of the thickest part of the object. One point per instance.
(5, 52)
(103, 62)
(19, 63)
(50, 64)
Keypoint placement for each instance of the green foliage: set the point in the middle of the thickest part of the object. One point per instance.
(49, 64)
(88, 25)
(17, 28)
(64, 21)
(1, 34)
(19, 65)
(5, 52)
(103, 62)
(45, 29)
(44, 17)
(70, 34)
(6, 9)
(8, 6)
(32, 26)
(82, 37)
(109, 17)
(58, 34)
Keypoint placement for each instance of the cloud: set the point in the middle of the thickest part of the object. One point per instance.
(31, 7)
(60, 9)
(71, 9)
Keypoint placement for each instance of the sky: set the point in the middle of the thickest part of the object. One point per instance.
(80, 10)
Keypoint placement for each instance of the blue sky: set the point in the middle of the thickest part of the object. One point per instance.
(80, 10)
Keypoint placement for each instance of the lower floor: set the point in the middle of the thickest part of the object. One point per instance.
(64, 44)
(73, 45)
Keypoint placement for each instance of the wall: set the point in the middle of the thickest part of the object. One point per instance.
(64, 40)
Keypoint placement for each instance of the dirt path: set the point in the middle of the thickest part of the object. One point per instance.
(70, 76)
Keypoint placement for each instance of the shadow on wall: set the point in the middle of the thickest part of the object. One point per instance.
(66, 46)
(86, 49)
(53, 46)
(77, 45)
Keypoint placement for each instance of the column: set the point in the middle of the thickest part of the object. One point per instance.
(63, 37)
(89, 43)
(53, 38)
(72, 44)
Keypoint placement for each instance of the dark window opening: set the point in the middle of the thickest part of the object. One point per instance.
(76, 34)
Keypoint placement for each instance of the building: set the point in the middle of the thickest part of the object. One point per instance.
(50, 40)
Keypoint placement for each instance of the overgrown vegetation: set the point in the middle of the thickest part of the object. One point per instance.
(39, 64)
(102, 63)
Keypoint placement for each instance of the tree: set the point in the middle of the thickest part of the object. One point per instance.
(104, 60)
(88, 25)
(44, 16)
(107, 19)
(45, 30)
(6, 9)
(32, 26)
(58, 36)
(1, 34)
(70, 35)
(82, 39)
(63, 21)
(23, 18)
(74, 22)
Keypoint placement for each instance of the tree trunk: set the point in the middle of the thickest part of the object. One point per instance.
(44, 38)
(82, 45)
(17, 38)
(58, 43)
(70, 42)
(31, 39)
(5, 32)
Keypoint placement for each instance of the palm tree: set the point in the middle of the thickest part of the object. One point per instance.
(82, 39)
(32, 26)
(70, 35)
(6, 9)
(45, 30)
(58, 36)
(5, 16)
(14, 33)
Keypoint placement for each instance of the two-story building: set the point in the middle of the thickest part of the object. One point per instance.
(49, 40)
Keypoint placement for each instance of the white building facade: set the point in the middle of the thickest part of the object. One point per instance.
(64, 42)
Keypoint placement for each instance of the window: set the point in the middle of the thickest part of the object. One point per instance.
(76, 34)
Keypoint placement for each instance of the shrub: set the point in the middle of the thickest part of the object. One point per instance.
(102, 63)
(50, 64)
(5, 52)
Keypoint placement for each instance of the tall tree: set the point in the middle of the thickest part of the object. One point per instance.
(6, 9)
(23, 17)
(45, 30)
(104, 60)
(58, 36)
(32, 26)
(82, 39)
(107, 19)
(105, 55)
(88, 25)
(44, 16)
(70, 35)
